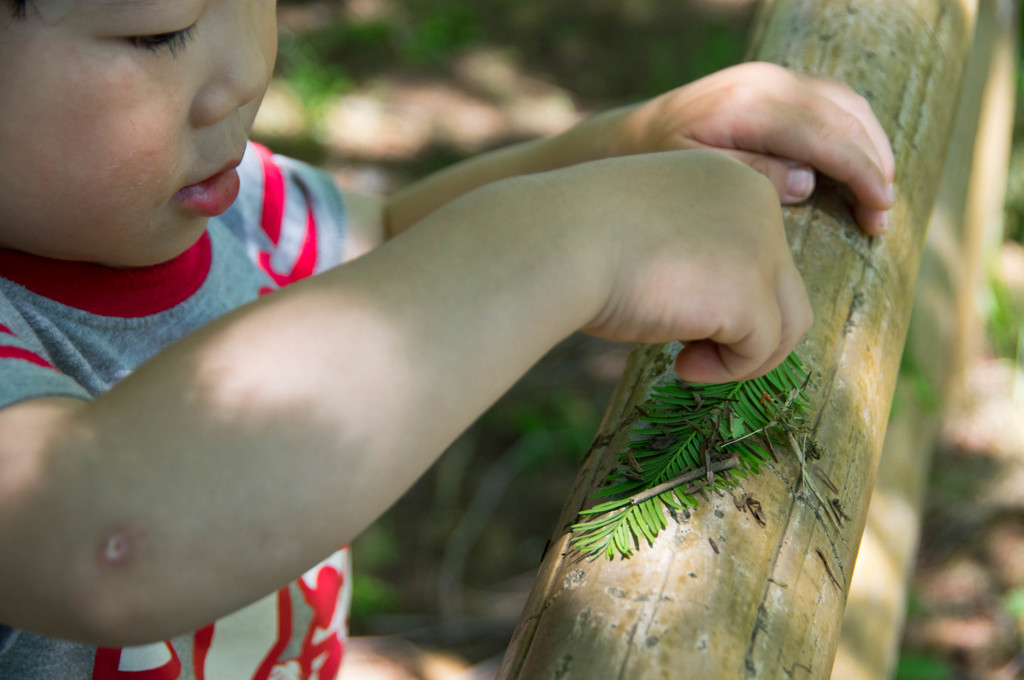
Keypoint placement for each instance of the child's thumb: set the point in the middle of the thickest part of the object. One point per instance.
(794, 181)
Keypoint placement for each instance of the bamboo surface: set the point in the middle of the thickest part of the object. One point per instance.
(769, 601)
(945, 329)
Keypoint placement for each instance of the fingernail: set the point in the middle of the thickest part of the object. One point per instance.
(800, 184)
(890, 192)
(883, 223)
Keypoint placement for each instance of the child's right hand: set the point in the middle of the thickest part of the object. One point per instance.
(782, 123)
(696, 252)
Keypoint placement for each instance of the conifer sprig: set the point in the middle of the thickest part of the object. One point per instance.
(691, 437)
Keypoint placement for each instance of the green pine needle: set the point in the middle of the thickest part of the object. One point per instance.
(684, 429)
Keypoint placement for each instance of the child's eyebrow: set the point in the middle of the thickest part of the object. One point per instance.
(53, 11)
(131, 7)
(123, 4)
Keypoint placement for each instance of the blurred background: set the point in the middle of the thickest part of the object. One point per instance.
(380, 92)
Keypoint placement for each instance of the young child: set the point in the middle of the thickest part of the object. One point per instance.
(198, 407)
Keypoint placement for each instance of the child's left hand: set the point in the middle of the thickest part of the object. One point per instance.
(780, 123)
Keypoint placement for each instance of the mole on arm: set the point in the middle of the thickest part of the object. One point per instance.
(116, 548)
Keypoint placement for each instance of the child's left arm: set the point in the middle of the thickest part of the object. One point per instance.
(778, 122)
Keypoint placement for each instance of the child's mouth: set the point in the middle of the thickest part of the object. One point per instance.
(212, 196)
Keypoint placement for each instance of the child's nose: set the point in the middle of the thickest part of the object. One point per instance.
(241, 74)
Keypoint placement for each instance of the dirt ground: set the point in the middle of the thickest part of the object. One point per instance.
(382, 91)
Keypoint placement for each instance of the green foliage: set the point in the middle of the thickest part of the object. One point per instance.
(923, 389)
(443, 30)
(569, 415)
(1014, 206)
(306, 65)
(670, 65)
(372, 597)
(1004, 321)
(921, 667)
(1013, 603)
(915, 606)
(376, 549)
(685, 430)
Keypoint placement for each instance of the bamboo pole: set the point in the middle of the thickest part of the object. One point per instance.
(767, 601)
(945, 329)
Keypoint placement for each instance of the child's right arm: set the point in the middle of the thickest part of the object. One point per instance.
(775, 120)
(221, 470)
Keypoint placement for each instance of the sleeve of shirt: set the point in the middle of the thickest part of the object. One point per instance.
(290, 215)
(26, 368)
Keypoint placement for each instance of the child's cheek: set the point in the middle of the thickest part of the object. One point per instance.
(134, 134)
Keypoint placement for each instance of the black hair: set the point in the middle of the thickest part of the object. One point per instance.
(17, 7)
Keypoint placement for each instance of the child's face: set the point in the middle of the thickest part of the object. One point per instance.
(109, 111)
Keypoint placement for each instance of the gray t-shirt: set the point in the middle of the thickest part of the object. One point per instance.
(75, 329)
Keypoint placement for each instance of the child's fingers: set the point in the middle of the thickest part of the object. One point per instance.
(743, 342)
(793, 181)
(848, 99)
(844, 111)
(813, 93)
(715, 362)
(699, 362)
(873, 222)
(705, 361)
(811, 120)
(828, 138)
(797, 313)
(862, 158)
(797, 317)
(781, 324)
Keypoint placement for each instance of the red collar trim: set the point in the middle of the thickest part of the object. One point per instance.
(110, 291)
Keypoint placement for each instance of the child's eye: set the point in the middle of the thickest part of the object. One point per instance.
(174, 42)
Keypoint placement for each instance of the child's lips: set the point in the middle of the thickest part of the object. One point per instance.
(212, 196)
